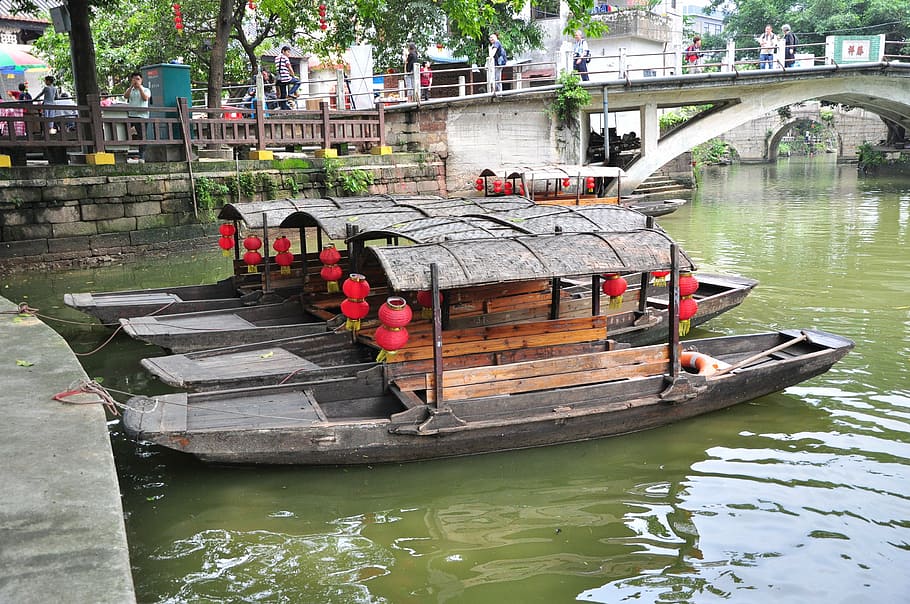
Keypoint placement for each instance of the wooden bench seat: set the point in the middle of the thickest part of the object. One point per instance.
(542, 374)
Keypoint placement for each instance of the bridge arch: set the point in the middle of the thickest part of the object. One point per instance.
(885, 96)
(800, 123)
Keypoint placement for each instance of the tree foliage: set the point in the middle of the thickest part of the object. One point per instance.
(813, 20)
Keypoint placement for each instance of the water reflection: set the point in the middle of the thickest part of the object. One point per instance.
(797, 497)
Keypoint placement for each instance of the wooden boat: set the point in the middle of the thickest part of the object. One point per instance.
(352, 416)
(464, 391)
(268, 285)
(570, 185)
(637, 322)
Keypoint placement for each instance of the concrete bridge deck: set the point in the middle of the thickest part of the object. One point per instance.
(62, 537)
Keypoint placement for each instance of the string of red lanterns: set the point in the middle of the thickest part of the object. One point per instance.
(355, 307)
(391, 336)
(226, 241)
(283, 258)
(688, 285)
(331, 272)
(178, 18)
(252, 257)
(323, 25)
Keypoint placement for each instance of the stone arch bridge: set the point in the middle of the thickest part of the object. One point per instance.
(514, 127)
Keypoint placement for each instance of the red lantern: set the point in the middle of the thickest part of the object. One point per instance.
(356, 286)
(659, 278)
(425, 299)
(354, 307)
(226, 244)
(565, 183)
(479, 184)
(251, 259)
(284, 260)
(395, 312)
(391, 340)
(615, 286)
(687, 309)
(331, 273)
(252, 243)
(282, 244)
(322, 8)
(323, 25)
(688, 284)
(227, 229)
(508, 187)
(354, 310)
(329, 254)
(391, 336)
(178, 18)
(252, 5)
(521, 189)
(589, 183)
(497, 186)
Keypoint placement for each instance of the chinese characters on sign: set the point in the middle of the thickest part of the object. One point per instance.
(855, 50)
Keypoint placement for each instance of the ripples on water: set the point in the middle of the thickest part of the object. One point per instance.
(797, 497)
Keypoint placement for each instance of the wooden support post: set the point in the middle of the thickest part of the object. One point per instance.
(674, 312)
(437, 338)
(643, 293)
(555, 291)
(595, 295)
(326, 150)
(267, 284)
(381, 148)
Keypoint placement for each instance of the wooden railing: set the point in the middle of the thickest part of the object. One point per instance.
(58, 129)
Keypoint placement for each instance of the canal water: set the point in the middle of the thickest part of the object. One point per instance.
(803, 496)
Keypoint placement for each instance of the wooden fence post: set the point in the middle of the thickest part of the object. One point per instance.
(326, 150)
(99, 157)
(260, 152)
(381, 149)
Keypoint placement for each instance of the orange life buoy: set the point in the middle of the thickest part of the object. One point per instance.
(702, 363)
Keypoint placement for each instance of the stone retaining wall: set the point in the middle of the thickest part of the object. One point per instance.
(83, 215)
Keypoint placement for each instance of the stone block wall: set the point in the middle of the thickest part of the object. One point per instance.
(79, 215)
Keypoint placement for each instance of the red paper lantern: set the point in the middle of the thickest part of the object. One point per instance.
(251, 259)
(331, 273)
(521, 189)
(178, 18)
(565, 183)
(323, 25)
(688, 284)
(322, 9)
(425, 299)
(391, 340)
(329, 254)
(507, 188)
(356, 286)
(497, 186)
(281, 244)
(354, 310)
(615, 286)
(226, 244)
(252, 243)
(659, 278)
(284, 260)
(395, 312)
(227, 229)
(479, 184)
(589, 183)
(687, 309)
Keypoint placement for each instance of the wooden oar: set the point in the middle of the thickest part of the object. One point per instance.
(803, 336)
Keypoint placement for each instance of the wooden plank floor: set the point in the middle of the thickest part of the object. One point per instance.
(273, 410)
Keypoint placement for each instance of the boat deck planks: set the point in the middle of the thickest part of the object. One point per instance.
(276, 410)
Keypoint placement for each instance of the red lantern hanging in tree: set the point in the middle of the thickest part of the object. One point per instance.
(391, 336)
(687, 309)
(226, 244)
(331, 272)
(178, 18)
(615, 286)
(322, 22)
(355, 307)
(659, 278)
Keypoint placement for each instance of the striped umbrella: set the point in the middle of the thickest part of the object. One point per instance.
(18, 61)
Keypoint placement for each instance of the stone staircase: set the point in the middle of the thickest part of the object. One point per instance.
(662, 187)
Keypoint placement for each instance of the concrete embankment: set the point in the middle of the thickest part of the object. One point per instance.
(62, 536)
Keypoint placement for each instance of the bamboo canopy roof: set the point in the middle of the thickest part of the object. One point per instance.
(557, 171)
(277, 210)
(534, 219)
(468, 263)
